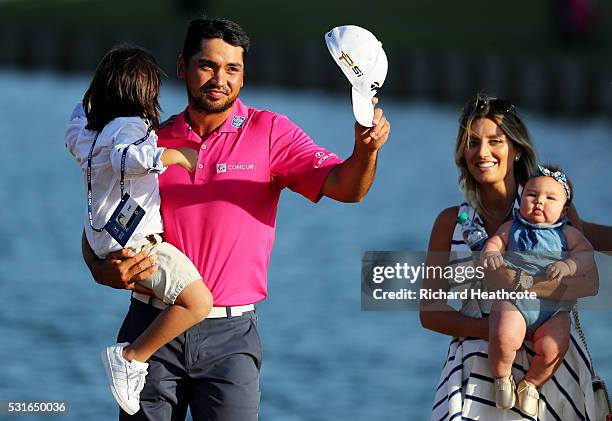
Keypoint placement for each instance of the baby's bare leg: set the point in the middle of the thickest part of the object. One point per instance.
(190, 307)
(506, 333)
(550, 342)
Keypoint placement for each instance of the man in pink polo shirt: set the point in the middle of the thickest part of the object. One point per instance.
(222, 216)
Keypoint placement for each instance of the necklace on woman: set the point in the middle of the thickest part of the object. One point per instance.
(514, 196)
(489, 218)
(506, 213)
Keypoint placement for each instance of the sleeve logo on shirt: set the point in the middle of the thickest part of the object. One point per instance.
(321, 157)
(238, 121)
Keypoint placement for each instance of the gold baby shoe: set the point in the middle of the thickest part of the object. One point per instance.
(528, 398)
(504, 392)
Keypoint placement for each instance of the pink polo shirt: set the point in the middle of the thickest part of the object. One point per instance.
(223, 215)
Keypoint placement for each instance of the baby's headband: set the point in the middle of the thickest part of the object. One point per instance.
(558, 175)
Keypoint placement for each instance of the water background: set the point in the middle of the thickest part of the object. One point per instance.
(324, 359)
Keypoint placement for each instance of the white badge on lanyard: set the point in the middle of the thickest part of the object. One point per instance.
(129, 213)
(124, 220)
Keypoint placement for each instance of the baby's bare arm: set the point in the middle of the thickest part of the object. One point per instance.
(494, 247)
(581, 259)
(494, 244)
(502, 233)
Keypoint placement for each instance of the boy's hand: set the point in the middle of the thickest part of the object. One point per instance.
(557, 270)
(492, 260)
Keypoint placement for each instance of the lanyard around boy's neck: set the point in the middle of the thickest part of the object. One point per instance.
(121, 181)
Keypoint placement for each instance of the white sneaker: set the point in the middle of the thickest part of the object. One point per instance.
(125, 378)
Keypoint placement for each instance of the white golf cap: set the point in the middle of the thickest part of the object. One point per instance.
(364, 62)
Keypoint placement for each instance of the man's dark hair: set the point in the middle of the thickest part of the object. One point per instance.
(125, 84)
(204, 28)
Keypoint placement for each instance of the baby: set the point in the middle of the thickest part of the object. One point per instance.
(537, 242)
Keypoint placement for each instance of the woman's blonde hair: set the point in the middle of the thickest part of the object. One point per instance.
(504, 114)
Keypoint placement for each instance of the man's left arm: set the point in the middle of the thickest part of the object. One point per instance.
(351, 180)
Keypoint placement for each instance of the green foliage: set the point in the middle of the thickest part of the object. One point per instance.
(521, 27)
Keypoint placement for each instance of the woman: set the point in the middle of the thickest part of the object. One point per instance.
(495, 157)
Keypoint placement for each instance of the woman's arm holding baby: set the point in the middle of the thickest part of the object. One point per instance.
(437, 315)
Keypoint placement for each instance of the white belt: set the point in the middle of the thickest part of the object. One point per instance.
(215, 312)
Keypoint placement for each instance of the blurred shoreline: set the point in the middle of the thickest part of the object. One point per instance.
(564, 85)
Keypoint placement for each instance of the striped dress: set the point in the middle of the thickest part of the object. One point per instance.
(465, 389)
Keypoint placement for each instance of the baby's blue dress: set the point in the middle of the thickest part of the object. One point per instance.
(532, 248)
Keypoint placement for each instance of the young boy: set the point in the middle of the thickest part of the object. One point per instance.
(111, 135)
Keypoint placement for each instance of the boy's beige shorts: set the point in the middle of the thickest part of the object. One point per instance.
(175, 271)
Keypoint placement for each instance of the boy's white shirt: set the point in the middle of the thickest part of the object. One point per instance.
(142, 166)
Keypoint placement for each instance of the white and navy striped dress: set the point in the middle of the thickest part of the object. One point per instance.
(465, 389)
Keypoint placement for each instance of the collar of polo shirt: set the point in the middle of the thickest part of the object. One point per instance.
(232, 123)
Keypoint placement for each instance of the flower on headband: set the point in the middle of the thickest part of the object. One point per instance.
(558, 175)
